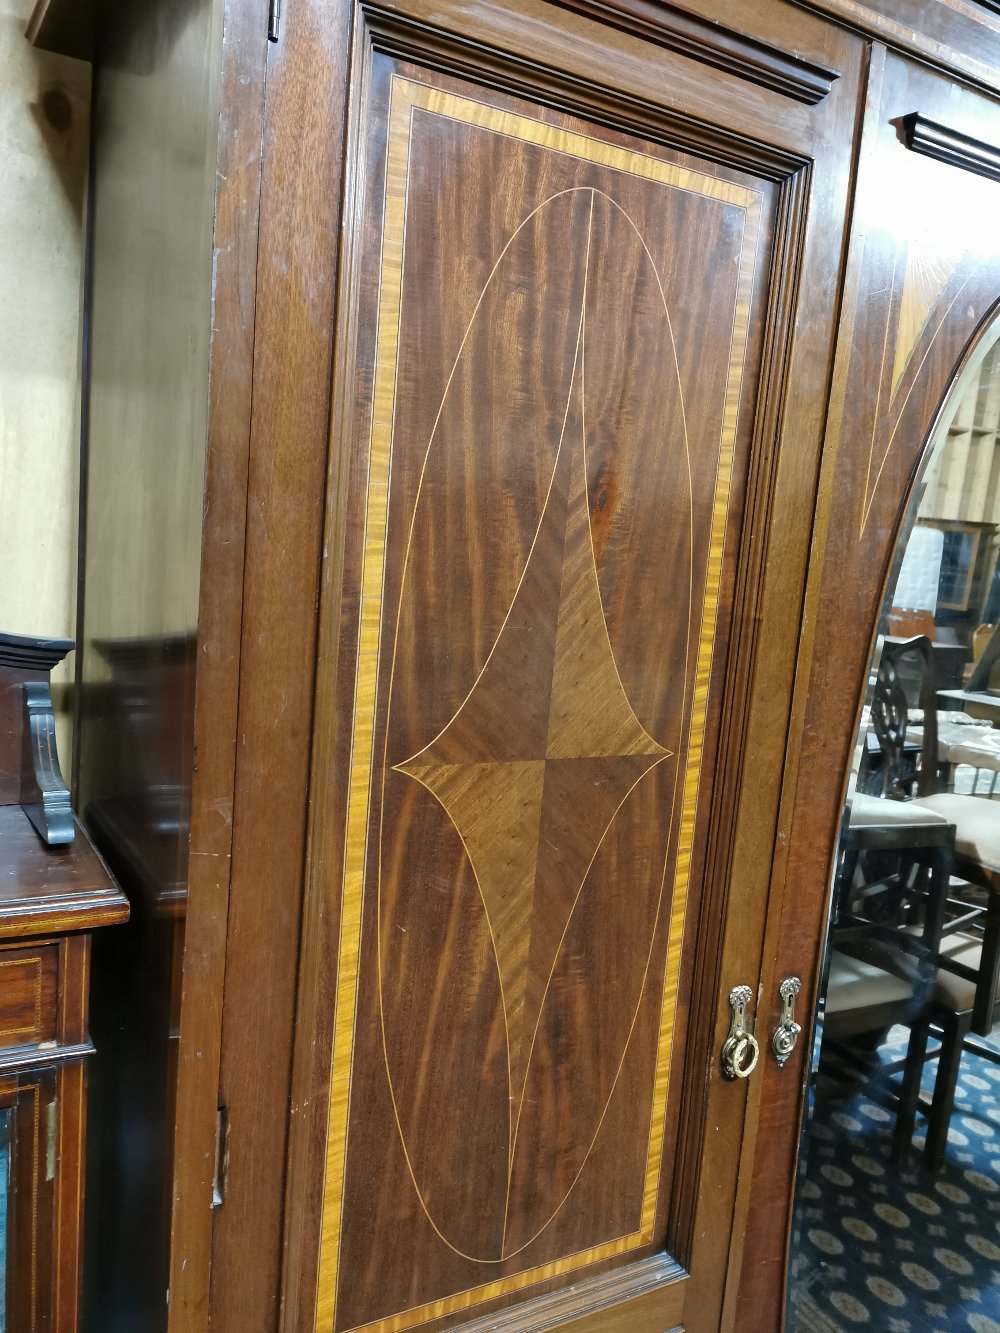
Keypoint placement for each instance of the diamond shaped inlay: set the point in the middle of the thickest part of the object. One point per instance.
(544, 750)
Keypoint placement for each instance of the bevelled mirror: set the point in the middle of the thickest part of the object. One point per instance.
(897, 1216)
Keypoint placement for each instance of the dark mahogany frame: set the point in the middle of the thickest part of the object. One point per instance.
(807, 146)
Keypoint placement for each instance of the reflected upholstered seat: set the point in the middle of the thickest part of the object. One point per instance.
(966, 1002)
(872, 811)
(862, 997)
(956, 991)
(952, 736)
(977, 831)
(976, 746)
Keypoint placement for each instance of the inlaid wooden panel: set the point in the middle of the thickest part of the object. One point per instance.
(554, 374)
(28, 995)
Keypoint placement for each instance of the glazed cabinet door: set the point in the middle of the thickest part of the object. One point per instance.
(582, 348)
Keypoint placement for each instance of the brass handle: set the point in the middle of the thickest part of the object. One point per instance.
(786, 1034)
(740, 1049)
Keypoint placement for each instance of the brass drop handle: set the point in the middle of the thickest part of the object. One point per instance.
(786, 1034)
(740, 1049)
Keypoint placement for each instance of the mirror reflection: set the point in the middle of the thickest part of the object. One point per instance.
(897, 1220)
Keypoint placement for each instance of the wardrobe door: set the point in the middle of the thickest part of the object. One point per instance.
(582, 346)
(922, 285)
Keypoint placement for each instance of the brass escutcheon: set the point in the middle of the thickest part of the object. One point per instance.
(786, 1034)
(740, 1049)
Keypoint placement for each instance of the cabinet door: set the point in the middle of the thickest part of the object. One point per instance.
(35, 1247)
(582, 345)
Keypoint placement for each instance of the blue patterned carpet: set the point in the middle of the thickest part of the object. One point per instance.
(900, 1249)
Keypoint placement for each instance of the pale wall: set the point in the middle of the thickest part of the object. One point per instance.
(44, 115)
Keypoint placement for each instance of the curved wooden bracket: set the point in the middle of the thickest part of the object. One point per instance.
(29, 763)
(51, 814)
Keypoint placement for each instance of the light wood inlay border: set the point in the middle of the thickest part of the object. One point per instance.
(30, 1029)
(407, 96)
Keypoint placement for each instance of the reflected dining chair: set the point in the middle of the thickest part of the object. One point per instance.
(890, 898)
(967, 995)
(891, 891)
(964, 1003)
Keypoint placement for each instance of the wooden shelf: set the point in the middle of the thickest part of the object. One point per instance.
(47, 888)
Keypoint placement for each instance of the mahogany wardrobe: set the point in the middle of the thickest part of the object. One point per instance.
(499, 417)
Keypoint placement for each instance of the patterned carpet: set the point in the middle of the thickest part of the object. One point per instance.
(900, 1249)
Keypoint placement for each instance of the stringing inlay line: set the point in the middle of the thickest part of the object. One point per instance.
(405, 97)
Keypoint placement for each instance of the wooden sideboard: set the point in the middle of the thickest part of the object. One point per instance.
(54, 891)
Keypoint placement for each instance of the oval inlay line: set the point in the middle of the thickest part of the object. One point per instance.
(440, 1009)
(504, 771)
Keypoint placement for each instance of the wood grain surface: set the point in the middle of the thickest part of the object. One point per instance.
(288, 347)
(216, 687)
(550, 459)
(961, 37)
(642, 95)
(53, 888)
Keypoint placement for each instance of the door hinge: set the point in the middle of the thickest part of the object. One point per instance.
(273, 19)
(51, 1127)
(221, 1157)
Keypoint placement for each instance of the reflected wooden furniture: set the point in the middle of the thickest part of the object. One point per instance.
(891, 886)
(904, 950)
(988, 659)
(965, 572)
(966, 1005)
(53, 893)
(966, 1000)
(135, 803)
(967, 996)
(905, 670)
(964, 946)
